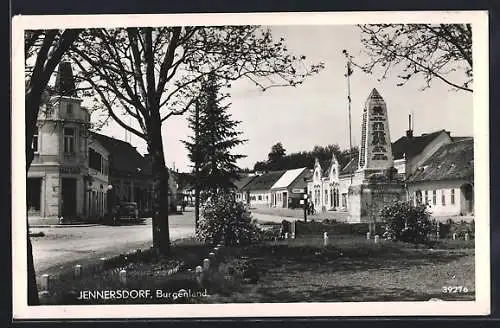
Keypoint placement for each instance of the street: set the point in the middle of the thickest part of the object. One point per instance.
(62, 247)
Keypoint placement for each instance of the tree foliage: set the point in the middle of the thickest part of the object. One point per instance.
(432, 51)
(405, 222)
(226, 220)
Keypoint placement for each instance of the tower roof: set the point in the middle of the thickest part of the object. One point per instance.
(65, 82)
(374, 94)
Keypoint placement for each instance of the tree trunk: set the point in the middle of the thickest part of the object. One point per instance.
(161, 236)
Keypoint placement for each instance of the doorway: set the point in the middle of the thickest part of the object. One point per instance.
(285, 199)
(468, 199)
(68, 197)
(33, 194)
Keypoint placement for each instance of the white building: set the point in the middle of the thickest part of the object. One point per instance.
(445, 180)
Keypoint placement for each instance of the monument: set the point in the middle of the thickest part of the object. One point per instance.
(375, 183)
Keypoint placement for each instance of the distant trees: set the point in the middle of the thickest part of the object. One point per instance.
(278, 160)
(434, 51)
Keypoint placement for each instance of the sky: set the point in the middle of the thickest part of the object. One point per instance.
(316, 112)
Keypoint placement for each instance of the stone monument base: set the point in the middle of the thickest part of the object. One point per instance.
(367, 199)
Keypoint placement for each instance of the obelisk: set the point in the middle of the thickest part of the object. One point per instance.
(375, 153)
(374, 186)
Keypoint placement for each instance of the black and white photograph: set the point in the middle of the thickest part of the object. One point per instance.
(256, 165)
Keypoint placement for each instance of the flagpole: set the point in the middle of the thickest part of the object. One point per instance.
(347, 75)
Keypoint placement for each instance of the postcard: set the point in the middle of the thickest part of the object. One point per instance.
(250, 165)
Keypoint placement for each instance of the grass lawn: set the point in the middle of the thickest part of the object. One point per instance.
(355, 270)
(350, 268)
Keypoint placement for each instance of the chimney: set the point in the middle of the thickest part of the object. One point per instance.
(409, 132)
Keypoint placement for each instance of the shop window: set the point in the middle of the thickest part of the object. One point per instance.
(434, 197)
(452, 197)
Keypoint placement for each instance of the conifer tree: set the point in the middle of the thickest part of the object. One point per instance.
(215, 136)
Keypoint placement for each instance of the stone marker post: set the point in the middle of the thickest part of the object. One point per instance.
(377, 238)
(78, 271)
(368, 235)
(206, 264)
(123, 276)
(454, 236)
(45, 282)
(199, 273)
(325, 238)
(211, 256)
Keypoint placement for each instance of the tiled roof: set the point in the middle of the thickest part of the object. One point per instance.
(124, 157)
(264, 181)
(243, 180)
(352, 166)
(414, 145)
(452, 161)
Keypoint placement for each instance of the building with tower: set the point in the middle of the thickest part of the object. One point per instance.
(77, 173)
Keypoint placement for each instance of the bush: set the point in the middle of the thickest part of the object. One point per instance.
(405, 222)
(225, 220)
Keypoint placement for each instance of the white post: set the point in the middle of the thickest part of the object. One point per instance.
(293, 235)
(454, 236)
(368, 235)
(325, 238)
(377, 239)
(466, 236)
(45, 282)
(206, 264)
(102, 260)
(199, 273)
(78, 271)
(286, 235)
(123, 276)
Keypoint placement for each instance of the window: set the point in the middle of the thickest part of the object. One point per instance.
(434, 201)
(69, 140)
(426, 195)
(95, 160)
(259, 197)
(326, 196)
(35, 140)
(443, 197)
(452, 196)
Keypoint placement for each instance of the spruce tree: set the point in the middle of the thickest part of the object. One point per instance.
(214, 137)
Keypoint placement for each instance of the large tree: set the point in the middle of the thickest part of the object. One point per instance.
(43, 50)
(432, 51)
(151, 74)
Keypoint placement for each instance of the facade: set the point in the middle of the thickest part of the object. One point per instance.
(60, 181)
(257, 193)
(287, 191)
(445, 181)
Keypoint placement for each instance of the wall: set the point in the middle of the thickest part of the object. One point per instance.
(265, 198)
(439, 209)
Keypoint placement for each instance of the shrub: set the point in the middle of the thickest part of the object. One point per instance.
(225, 220)
(405, 222)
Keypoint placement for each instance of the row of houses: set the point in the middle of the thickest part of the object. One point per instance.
(436, 168)
(79, 173)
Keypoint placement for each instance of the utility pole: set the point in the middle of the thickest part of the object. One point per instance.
(347, 75)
